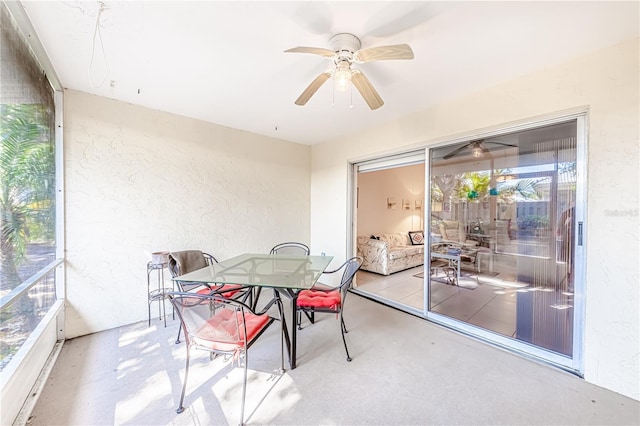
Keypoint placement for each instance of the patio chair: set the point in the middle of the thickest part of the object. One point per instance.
(289, 248)
(185, 261)
(327, 299)
(220, 325)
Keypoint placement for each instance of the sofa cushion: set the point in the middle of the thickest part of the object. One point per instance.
(396, 239)
(396, 253)
(417, 237)
(404, 251)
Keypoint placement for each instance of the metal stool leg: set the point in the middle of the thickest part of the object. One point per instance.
(160, 294)
(164, 295)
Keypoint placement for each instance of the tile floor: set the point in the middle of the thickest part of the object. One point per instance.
(491, 305)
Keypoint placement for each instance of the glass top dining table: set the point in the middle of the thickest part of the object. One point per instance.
(263, 270)
(286, 274)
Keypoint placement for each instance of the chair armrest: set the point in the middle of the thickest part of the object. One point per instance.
(319, 286)
(345, 268)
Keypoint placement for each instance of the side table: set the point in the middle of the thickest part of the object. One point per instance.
(158, 294)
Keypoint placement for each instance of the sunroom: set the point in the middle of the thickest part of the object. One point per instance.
(125, 179)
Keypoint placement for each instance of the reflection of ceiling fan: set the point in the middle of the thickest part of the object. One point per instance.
(345, 50)
(478, 148)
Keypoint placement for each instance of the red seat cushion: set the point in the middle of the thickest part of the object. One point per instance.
(319, 299)
(227, 290)
(224, 332)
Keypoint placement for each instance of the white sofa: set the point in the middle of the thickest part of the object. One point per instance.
(392, 252)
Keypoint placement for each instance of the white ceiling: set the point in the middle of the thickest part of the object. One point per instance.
(223, 61)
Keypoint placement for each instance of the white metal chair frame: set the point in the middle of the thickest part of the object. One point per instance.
(238, 348)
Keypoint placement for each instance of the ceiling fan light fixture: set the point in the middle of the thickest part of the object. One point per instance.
(477, 151)
(342, 76)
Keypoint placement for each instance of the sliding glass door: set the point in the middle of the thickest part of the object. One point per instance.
(389, 205)
(502, 219)
(504, 237)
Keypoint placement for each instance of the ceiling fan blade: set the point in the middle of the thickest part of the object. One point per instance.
(398, 51)
(456, 151)
(313, 50)
(312, 88)
(366, 89)
(501, 143)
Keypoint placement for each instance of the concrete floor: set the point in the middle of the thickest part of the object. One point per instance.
(404, 371)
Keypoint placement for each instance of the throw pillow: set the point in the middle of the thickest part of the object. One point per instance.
(374, 237)
(416, 237)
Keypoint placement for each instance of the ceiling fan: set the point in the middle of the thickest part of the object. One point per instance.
(345, 51)
(478, 148)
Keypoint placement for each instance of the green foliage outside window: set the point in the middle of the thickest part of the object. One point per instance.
(27, 185)
(27, 218)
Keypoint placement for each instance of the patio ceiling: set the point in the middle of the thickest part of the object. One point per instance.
(223, 62)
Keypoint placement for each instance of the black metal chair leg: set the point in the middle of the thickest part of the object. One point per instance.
(309, 315)
(344, 340)
(283, 330)
(256, 296)
(178, 338)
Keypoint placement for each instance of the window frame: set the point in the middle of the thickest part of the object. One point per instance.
(30, 365)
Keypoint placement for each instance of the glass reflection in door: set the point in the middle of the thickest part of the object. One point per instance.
(503, 234)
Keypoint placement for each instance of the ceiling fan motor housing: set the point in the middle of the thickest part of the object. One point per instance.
(345, 45)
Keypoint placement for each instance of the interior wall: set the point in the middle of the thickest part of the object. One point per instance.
(139, 181)
(377, 189)
(605, 82)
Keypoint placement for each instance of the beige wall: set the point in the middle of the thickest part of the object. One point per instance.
(139, 181)
(374, 188)
(607, 83)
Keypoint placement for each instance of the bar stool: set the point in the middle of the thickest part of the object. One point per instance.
(159, 262)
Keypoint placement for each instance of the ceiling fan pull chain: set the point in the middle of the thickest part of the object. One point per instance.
(350, 96)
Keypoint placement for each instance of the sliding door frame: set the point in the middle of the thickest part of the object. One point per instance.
(402, 158)
(575, 363)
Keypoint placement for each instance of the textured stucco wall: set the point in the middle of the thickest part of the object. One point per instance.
(607, 83)
(139, 181)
